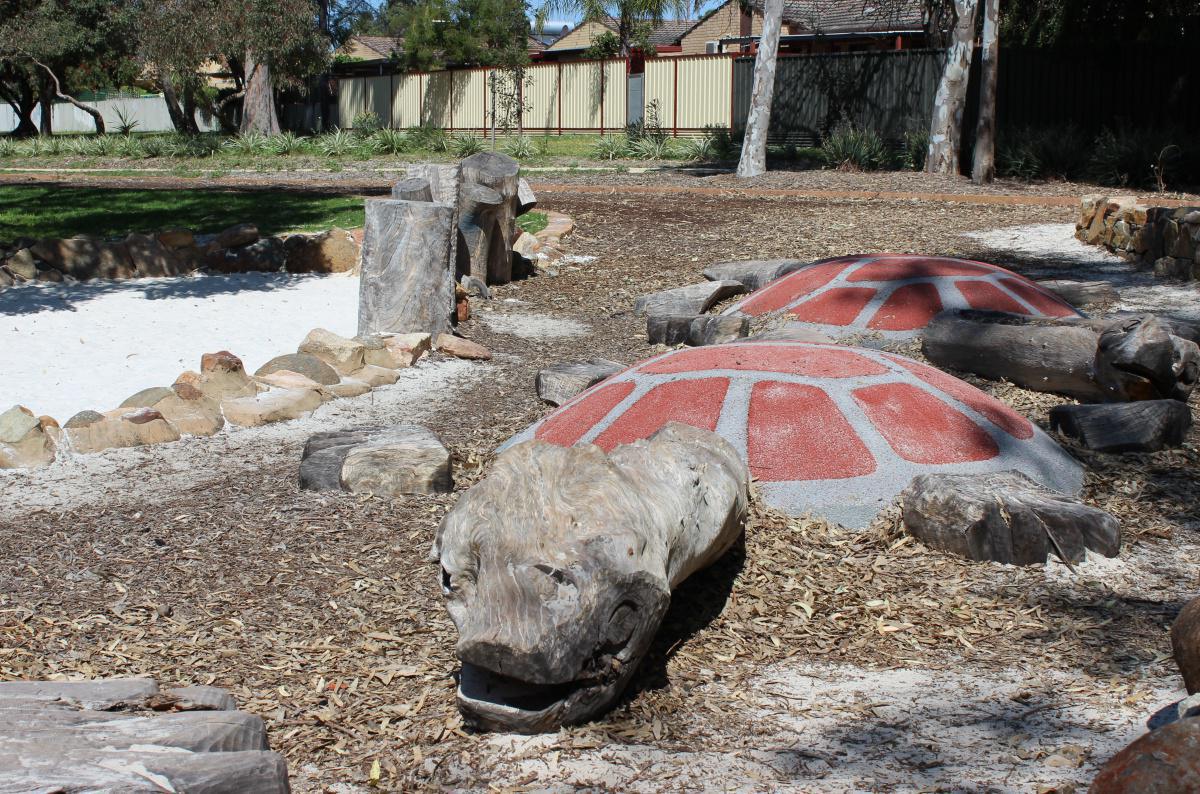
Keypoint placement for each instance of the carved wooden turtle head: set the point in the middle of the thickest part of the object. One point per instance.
(556, 585)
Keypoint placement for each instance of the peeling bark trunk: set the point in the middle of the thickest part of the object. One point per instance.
(22, 100)
(258, 108)
(984, 169)
(753, 161)
(97, 118)
(945, 132)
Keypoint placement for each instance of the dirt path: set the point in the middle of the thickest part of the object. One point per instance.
(812, 659)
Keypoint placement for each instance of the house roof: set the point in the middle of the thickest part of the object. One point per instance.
(534, 44)
(384, 45)
(851, 16)
(664, 34)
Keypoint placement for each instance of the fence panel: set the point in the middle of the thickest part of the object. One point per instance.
(470, 99)
(436, 99)
(541, 98)
(582, 87)
(406, 101)
(704, 92)
(659, 91)
(150, 113)
(616, 87)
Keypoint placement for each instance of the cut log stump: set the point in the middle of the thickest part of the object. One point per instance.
(1005, 517)
(127, 735)
(558, 568)
(1081, 294)
(669, 329)
(413, 188)
(1145, 426)
(558, 383)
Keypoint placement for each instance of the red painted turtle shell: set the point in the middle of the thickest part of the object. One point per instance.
(836, 431)
(896, 295)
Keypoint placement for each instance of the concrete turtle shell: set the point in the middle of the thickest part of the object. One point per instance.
(895, 295)
(833, 430)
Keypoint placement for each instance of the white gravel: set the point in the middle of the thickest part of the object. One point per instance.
(67, 348)
(534, 326)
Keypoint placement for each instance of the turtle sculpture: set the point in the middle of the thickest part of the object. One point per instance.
(832, 430)
(895, 295)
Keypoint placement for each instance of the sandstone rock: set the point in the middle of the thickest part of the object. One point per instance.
(334, 251)
(1006, 517)
(526, 245)
(196, 416)
(272, 406)
(1165, 761)
(83, 419)
(85, 257)
(1185, 642)
(324, 454)
(177, 238)
(693, 299)
(461, 348)
(268, 255)
(405, 459)
(753, 273)
(1172, 267)
(396, 351)
(22, 265)
(24, 440)
(344, 355)
(307, 365)
(286, 379)
(50, 275)
(348, 387)
(241, 234)
(6, 278)
(147, 398)
(188, 378)
(124, 427)
(559, 383)
(375, 376)
(222, 377)
(150, 257)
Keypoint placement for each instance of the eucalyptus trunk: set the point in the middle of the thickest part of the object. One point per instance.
(945, 132)
(753, 161)
(984, 169)
(258, 107)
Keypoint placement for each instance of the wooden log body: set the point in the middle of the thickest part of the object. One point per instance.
(406, 284)
(481, 251)
(413, 188)
(1130, 359)
(558, 568)
(1005, 517)
(500, 173)
(1144, 426)
(559, 383)
(1081, 294)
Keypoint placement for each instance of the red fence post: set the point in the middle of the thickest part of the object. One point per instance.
(675, 102)
(558, 92)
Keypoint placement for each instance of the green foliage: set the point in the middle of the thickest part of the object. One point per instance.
(610, 147)
(8, 148)
(459, 32)
(521, 147)
(391, 142)
(603, 45)
(467, 145)
(1046, 153)
(286, 143)
(367, 123)
(126, 124)
(634, 18)
(913, 150)
(432, 139)
(338, 143)
(715, 145)
(533, 222)
(650, 147)
(1135, 158)
(849, 148)
(246, 143)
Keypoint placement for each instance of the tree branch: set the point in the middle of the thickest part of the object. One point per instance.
(58, 92)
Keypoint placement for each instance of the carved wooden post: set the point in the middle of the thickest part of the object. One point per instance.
(413, 188)
(480, 210)
(406, 284)
(501, 174)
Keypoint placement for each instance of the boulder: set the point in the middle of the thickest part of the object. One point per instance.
(375, 376)
(234, 236)
(1164, 761)
(268, 255)
(22, 265)
(693, 299)
(344, 355)
(196, 415)
(561, 382)
(305, 364)
(49, 275)
(1185, 642)
(24, 440)
(1005, 517)
(461, 348)
(150, 257)
(177, 238)
(753, 273)
(146, 398)
(272, 406)
(6, 278)
(333, 251)
(526, 245)
(286, 379)
(86, 257)
(396, 351)
(222, 376)
(1081, 294)
(348, 387)
(128, 735)
(123, 427)
(405, 459)
(1145, 426)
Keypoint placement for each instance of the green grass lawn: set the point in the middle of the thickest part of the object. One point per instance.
(533, 222)
(47, 211)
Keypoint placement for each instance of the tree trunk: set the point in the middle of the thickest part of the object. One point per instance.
(46, 103)
(97, 118)
(945, 132)
(753, 161)
(189, 109)
(258, 108)
(178, 120)
(984, 170)
(22, 101)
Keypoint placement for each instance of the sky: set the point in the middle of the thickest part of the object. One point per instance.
(557, 20)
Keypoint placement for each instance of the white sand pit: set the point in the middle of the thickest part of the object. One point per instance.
(67, 348)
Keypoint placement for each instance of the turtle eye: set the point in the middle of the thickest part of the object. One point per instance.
(447, 588)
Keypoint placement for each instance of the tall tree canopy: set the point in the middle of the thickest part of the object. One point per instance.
(439, 33)
(1100, 23)
(630, 16)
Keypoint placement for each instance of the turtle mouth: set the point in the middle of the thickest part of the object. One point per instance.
(491, 701)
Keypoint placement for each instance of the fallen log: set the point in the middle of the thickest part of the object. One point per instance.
(558, 568)
(1146, 426)
(1129, 359)
(1081, 294)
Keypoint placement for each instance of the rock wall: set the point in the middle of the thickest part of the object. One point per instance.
(1166, 239)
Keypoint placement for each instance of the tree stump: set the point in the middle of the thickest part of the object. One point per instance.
(413, 188)
(1132, 359)
(482, 251)
(500, 173)
(127, 735)
(559, 383)
(1005, 517)
(406, 284)
(558, 568)
(1146, 426)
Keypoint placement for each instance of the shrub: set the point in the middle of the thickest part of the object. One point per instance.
(8, 148)
(130, 148)
(246, 143)
(467, 145)
(285, 143)
(913, 150)
(697, 150)
(433, 139)
(367, 123)
(522, 147)
(391, 142)
(610, 147)
(338, 143)
(1139, 158)
(850, 149)
(126, 124)
(650, 147)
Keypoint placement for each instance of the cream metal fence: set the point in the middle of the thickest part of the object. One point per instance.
(691, 94)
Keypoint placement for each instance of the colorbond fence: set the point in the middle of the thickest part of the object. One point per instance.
(690, 93)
